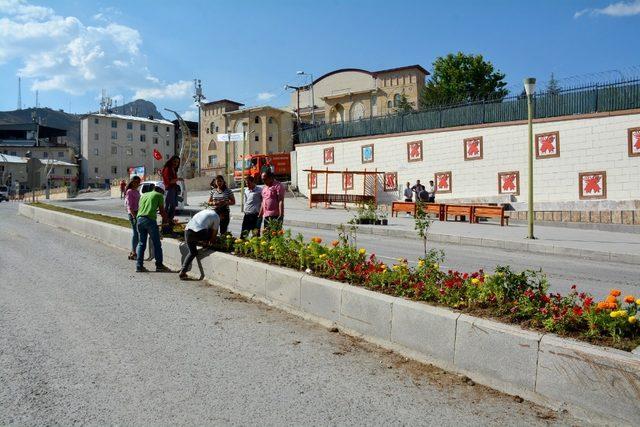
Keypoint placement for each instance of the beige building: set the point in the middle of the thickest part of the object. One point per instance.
(352, 94)
(110, 144)
(15, 169)
(270, 130)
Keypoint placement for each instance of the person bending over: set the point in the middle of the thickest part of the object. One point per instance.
(202, 228)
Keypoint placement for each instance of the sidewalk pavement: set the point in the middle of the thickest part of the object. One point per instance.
(589, 244)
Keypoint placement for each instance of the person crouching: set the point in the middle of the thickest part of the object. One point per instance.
(201, 228)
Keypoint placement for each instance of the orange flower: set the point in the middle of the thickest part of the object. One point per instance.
(629, 299)
(612, 305)
(335, 243)
(615, 292)
(281, 232)
(317, 240)
(611, 299)
(274, 233)
(601, 305)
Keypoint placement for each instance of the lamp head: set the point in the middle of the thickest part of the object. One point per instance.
(530, 85)
(300, 73)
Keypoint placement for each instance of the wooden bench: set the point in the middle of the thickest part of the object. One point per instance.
(458, 211)
(341, 198)
(435, 208)
(408, 207)
(483, 211)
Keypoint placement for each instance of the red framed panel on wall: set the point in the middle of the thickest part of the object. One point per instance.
(347, 181)
(592, 185)
(547, 145)
(313, 180)
(390, 181)
(414, 151)
(443, 182)
(509, 183)
(328, 155)
(634, 142)
(473, 148)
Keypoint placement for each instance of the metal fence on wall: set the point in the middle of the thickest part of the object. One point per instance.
(581, 100)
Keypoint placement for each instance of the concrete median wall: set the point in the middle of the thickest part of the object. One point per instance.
(598, 384)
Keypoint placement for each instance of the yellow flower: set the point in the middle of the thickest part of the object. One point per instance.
(323, 256)
(384, 267)
(613, 314)
(632, 319)
(247, 243)
(475, 280)
(238, 240)
(263, 243)
(436, 266)
(420, 263)
(362, 251)
(271, 248)
(638, 301)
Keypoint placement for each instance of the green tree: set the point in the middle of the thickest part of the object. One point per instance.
(403, 105)
(553, 87)
(460, 78)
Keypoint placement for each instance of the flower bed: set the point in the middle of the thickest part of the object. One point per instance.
(521, 298)
(512, 297)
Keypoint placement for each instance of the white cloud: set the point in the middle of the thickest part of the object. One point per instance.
(191, 113)
(181, 89)
(265, 96)
(62, 53)
(622, 8)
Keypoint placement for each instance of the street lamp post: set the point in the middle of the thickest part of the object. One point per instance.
(313, 98)
(530, 87)
(198, 97)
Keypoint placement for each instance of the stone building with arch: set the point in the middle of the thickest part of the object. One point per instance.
(352, 94)
(270, 131)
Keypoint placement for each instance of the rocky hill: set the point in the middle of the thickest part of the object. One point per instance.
(71, 122)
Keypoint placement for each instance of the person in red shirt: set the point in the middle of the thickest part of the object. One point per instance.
(170, 180)
(123, 186)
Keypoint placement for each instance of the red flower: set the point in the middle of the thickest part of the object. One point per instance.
(577, 310)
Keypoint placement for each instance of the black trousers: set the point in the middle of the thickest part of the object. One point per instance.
(225, 217)
(250, 222)
(192, 238)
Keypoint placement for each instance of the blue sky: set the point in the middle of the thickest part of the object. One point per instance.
(247, 50)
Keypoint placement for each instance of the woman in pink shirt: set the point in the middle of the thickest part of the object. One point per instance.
(272, 209)
(131, 200)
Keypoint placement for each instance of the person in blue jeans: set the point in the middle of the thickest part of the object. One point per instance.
(150, 203)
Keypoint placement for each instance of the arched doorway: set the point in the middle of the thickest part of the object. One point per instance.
(337, 114)
(357, 111)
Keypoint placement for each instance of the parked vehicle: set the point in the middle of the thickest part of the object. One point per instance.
(146, 186)
(279, 163)
(4, 193)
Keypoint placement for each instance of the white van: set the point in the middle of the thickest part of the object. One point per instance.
(146, 186)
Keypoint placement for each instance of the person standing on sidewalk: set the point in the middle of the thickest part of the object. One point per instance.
(170, 180)
(221, 197)
(150, 203)
(432, 192)
(408, 193)
(131, 202)
(202, 228)
(272, 209)
(252, 202)
(123, 187)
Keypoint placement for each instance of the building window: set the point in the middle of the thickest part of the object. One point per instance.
(114, 134)
(143, 127)
(389, 104)
(45, 155)
(155, 139)
(143, 151)
(256, 138)
(95, 152)
(60, 153)
(129, 151)
(129, 125)
(96, 136)
(155, 128)
(256, 120)
(167, 141)
(13, 153)
(114, 149)
(397, 99)
(143, 137)
(114, 123)
(67, 171)
(53, 171)
(114, 170)
(213, 160)
(96, 120)
(270, 120)
(216, 129)
(129, 137)
(95, 170)
(167, 128)
(211, 127)
(270, 137)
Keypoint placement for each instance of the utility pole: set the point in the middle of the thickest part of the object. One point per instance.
(19, 93)
(198, 97)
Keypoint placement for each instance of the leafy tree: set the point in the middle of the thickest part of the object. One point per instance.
(553, 87)
(403, 105)
(461, 78)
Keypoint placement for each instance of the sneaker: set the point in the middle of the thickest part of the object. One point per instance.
(182, 275)
(162, 269)
(141, 270)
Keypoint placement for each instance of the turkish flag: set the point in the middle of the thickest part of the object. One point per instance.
(157, 155)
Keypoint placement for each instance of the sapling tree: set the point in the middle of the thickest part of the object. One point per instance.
(422, 224)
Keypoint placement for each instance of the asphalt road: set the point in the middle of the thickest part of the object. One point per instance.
(597, 277)
(85, 340)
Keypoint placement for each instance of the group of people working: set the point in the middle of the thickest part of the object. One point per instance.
(264, 204)
(420, 192)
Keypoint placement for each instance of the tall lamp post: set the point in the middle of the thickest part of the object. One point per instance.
(313, 98)
(530, 88)
(198, 97)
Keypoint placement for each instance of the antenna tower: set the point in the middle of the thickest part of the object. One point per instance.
(19, 93)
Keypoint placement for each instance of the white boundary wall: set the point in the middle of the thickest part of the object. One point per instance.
(586, 145)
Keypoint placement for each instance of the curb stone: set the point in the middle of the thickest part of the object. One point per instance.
(598, 384)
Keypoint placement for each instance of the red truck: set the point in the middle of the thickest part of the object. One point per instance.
(255, 164)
